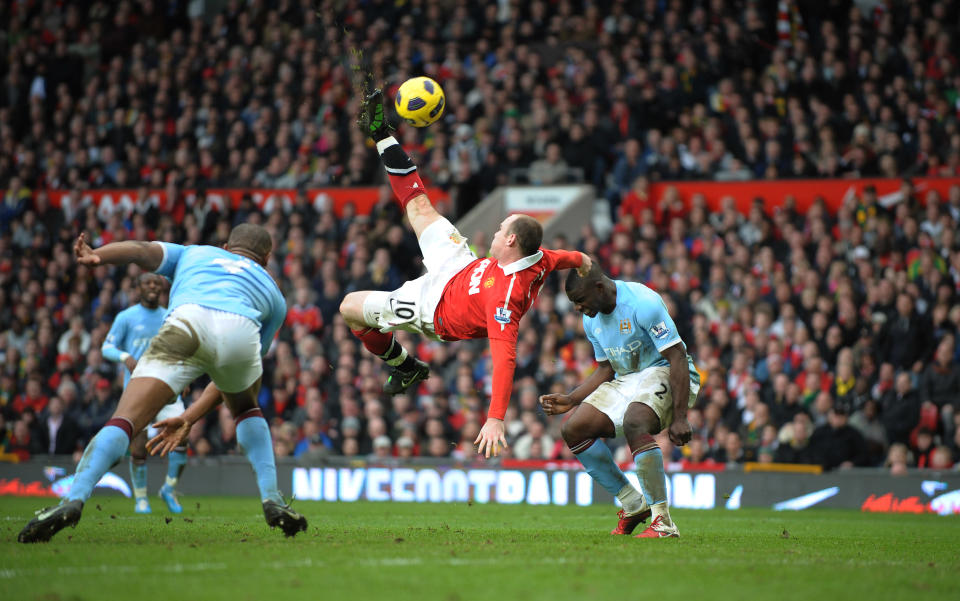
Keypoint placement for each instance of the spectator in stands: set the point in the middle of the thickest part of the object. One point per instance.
(900, 409)
(940, 383)
(279, 107)
(898, 459)
(535, 443)
(698, 458)
(33, 399)
(77, 334)
(867, 421)
(733, 451)
(55, 432)
(98, 409)
(923, 448)
(629, 166)
(551, 169)
(382, 448)
(904, 337)
(837, 443)
(20, 443)
(794, 439)
(941, 458)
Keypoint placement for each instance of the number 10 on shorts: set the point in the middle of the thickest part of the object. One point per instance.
(403, 309)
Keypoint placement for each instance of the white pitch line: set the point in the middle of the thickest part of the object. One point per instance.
(402, 562)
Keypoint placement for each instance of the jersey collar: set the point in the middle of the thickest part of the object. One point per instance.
(521, 264)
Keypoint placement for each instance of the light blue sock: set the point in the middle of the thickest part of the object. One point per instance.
(175, 463)
(653, 480)
(599, 463)
(253, 436)
(138, 476)
(106, 448)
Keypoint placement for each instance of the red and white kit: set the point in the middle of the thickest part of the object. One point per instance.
(462, 297)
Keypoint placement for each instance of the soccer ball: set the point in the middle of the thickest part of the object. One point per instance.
(419, 101)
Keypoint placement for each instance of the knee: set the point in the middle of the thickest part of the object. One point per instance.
(138, 454)
(639, 422)
(347, 305)
(574, 432)
(352, 309)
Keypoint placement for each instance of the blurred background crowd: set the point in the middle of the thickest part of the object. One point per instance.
(827, 338)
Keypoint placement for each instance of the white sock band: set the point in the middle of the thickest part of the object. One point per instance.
(386, 143)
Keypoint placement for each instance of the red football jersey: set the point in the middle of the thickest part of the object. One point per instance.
(487, 300)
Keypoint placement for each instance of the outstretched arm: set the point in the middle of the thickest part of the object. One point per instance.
(493, 433)
(147, 255)
(175, 430)
(555, 404)
(571, 259)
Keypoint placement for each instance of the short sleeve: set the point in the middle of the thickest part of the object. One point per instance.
(111, 348)
(598, 353)
(653, 317)
(171, 256)
(270, 326)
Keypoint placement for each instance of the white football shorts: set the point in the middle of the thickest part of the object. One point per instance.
(411, 307)
(195, 340)
(650, 387)
(170, 410)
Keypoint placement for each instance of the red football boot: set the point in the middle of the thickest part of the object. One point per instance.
(627, 523)
(658, 529)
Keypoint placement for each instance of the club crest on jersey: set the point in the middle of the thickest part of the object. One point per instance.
(502, 315)
(625, 326)
(489, 283)
(476, 276)
(456, 237)
(660, 331)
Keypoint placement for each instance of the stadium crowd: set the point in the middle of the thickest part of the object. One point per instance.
(822, 338)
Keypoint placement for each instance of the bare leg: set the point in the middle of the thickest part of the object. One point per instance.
(352, 310)
(142, 399)
(582, 432)
(422, 214)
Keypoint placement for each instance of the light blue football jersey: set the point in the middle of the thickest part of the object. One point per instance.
(130, 333)
(633, 334)
(215, 278)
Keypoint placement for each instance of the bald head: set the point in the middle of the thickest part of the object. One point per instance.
(576, 282)
(593, 293)
(250, 239)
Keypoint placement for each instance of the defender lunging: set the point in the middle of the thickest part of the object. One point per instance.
(644, 383)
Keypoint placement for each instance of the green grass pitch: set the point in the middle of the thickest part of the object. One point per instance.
(220, 548)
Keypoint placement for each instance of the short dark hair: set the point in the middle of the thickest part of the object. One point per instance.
(529, 234)
(252, 238)
(575, 281)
